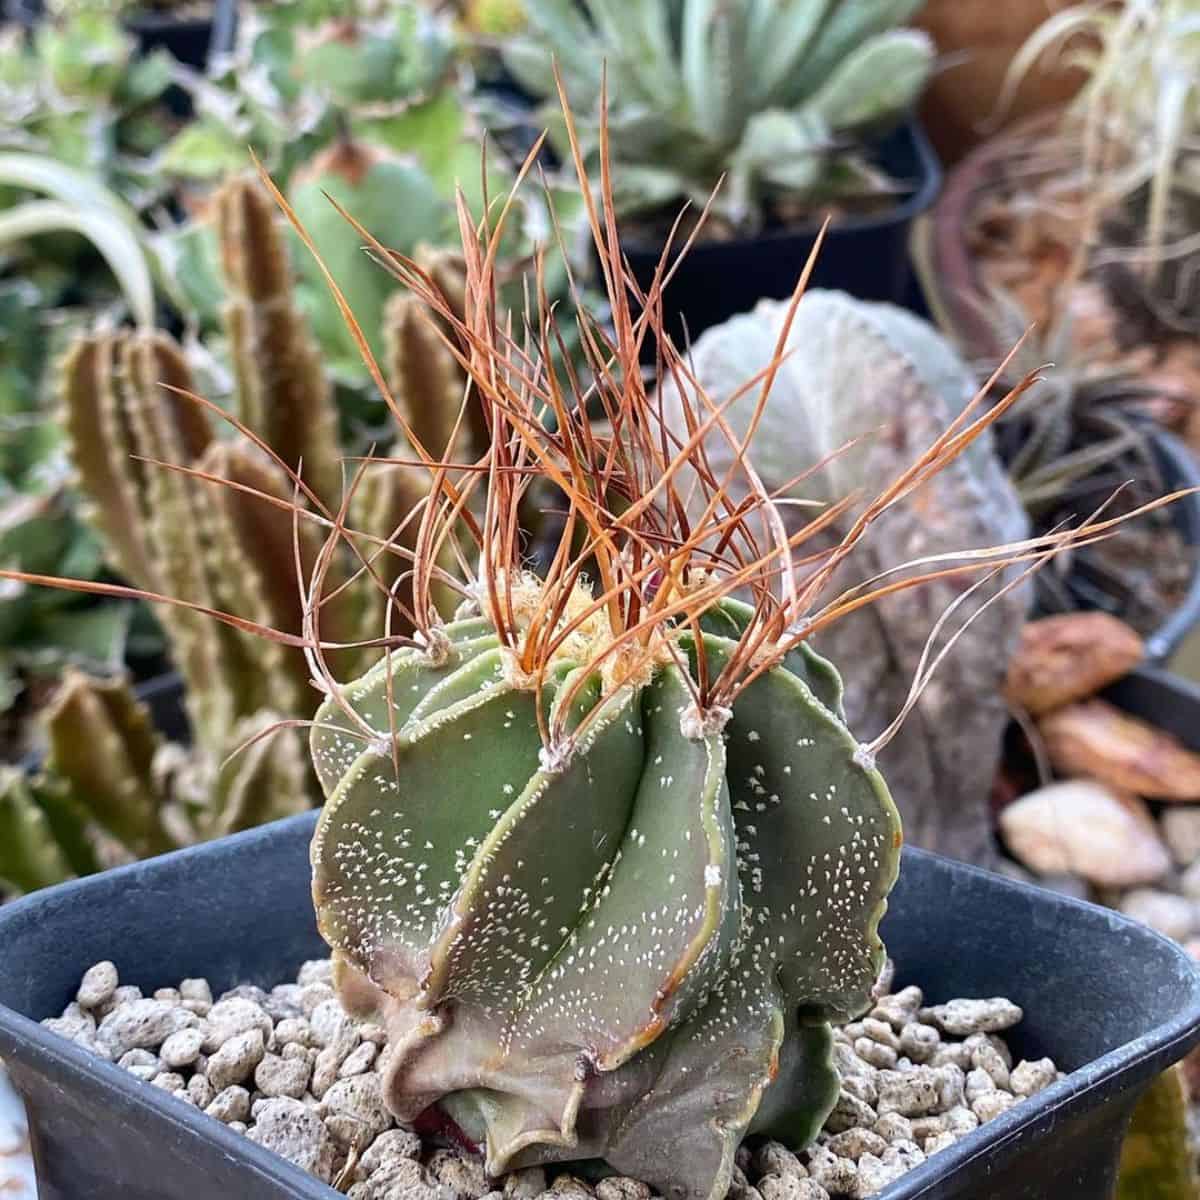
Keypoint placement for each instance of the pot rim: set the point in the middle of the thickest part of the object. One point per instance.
(965, 183)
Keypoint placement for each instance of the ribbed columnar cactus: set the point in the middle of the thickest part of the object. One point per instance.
(562, 939)
(283, 393)
(172, 534)
(113, 789)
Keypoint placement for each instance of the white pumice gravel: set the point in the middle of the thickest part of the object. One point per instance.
(291, 1070)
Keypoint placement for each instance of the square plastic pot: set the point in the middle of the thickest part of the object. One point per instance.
(1110, 1001)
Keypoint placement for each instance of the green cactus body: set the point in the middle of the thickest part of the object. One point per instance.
(30, 854)
(283, 393)
(102, 740)
(630, 952)
(395, 200)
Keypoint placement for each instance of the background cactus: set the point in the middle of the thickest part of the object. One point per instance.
(776, 97)
(112, 789)
(873, 372)
(224, 538)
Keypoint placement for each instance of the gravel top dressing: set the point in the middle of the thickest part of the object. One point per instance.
(292, 1071)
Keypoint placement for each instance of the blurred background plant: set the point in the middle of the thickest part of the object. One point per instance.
(110, 193)
(784, 100)
(1087, 216)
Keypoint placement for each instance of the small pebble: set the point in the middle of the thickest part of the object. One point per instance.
(773, 1158)
(1028, 1078)
(361, 1100)
(294, 1131)
(358, 1060)
(463, 1177)
(854, 1143)
(139, 1024)
(525, 1184)
(621, 1187)
(991, 1104)
(963, 1017)
(236, 1059)
(231, 1104)
(228, 1019)
(98, 985)
(275, 1076)
(182, 1049)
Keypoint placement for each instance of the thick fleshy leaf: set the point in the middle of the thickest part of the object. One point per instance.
(879, 81)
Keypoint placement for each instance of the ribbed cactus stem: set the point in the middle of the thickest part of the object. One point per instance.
(94, 418)
(576, 935)
(283, 393)
(425, 379)
(118, 408)
(30, 857)
(251, 563)
(102, 741)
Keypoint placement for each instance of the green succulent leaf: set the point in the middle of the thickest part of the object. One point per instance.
(880, 78)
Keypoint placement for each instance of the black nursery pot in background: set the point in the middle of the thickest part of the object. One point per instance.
(1179, 471)
(1110, 1001)
(866, 256)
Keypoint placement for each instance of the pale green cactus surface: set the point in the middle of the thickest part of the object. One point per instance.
(631, 952)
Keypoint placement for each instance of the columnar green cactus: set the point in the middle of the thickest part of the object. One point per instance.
(103, 745)
(283, 393)
(180, 536)
(31, 856)
(673, 911)
(113, 789)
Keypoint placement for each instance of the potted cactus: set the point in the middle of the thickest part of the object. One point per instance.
(797, 110)
(600, 859)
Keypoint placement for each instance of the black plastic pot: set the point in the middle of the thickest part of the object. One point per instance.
(1180, 470)
(866, 256)
(165, 697)
(186, 39)
(1164, 699)
(1111, 1001)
